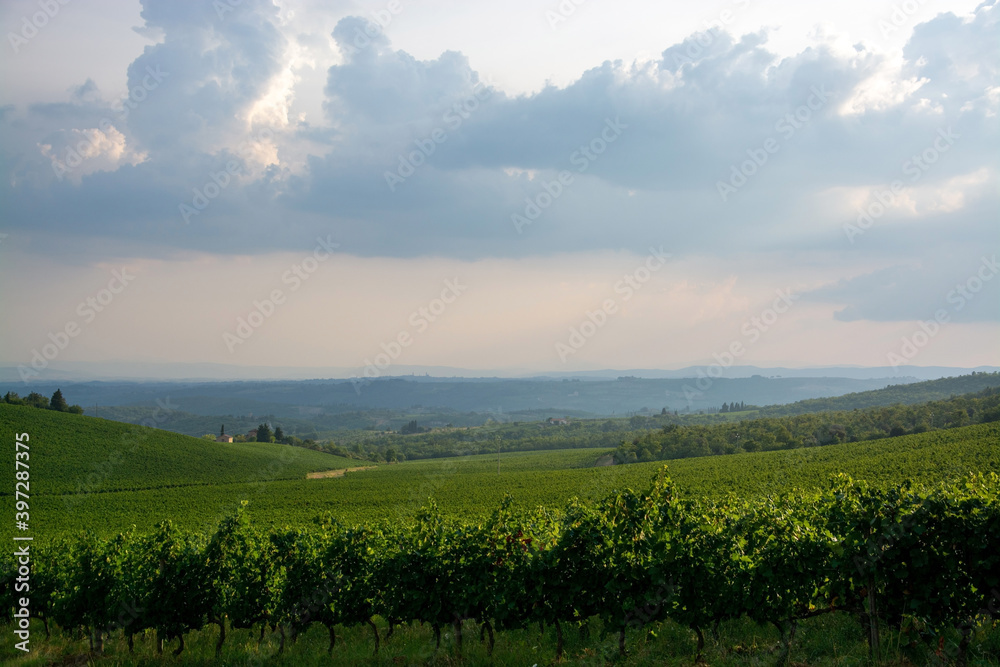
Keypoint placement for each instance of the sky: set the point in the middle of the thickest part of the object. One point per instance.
(541, 186)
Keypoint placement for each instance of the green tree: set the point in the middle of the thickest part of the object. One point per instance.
(57, 402)
(12, 398)
(264, 433)
(279, 435)
(411, 427)
(36, 400)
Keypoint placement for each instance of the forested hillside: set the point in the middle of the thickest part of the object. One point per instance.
(811, 430)
(906, 394)
(676, 436)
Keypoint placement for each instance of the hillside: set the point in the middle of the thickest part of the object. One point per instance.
(469, 486)
(669, 436)
(77, 454)
(794, 554)
(905, 394)
(811, 429)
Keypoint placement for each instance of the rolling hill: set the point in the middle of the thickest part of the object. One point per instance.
(105, 476)
(898, 394)
(77, 454)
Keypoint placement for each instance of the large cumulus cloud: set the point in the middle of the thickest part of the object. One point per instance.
(705, 105)
(691, 116)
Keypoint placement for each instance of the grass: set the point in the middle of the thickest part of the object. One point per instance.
(195, 483)
(470, 486)
(70, 452)
(831, 640)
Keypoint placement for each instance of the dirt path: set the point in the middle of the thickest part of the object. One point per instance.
(335, 473)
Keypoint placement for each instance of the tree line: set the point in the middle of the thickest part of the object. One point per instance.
(666, 436)
(36, 400)
(675, 441)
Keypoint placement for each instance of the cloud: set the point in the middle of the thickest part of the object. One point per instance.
(965, 288)
(959, 58)
(378, 85)
(219, 87)
(76, 153)
(691, 116)
(217, 65)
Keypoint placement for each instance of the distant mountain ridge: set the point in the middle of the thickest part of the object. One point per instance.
(210, 372)
(598, 397)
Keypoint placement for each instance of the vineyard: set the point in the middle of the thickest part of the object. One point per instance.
(671, 571)
(470, 486)
(925, 560)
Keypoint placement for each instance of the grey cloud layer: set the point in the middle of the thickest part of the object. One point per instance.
(690, 117)
(965, 288)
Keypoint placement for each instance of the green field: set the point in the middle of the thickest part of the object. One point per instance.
(70, 453)
(105, 476)
(100, 477)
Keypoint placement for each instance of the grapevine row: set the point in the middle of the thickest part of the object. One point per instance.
(634, 559)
